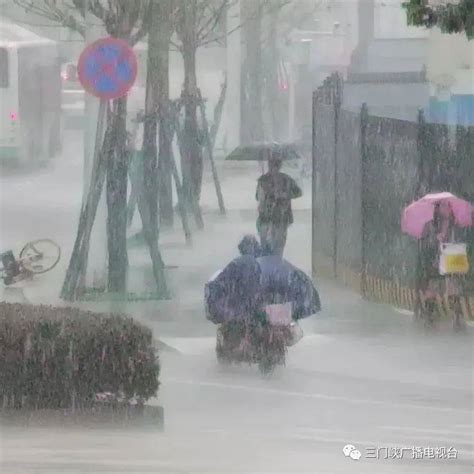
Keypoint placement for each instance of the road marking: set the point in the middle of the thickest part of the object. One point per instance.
(202, 345)
(463, 431)
(464, 453)
(190, 345)
(405, 312)
(409, 433)
(440, 436)
(316, 396)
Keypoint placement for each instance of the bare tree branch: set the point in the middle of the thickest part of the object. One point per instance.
(214, 17)
(145, 24)
(121, 18)
(79, 5)
(201, 10)
(96, 8)
(47, 9)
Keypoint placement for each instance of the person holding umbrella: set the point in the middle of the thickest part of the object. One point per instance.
(275, 190)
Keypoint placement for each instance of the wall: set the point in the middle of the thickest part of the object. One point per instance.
(442, 62)
(452, 78)
(391, 98)
(390, 21)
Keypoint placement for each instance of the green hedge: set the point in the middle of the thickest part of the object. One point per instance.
(62, 357)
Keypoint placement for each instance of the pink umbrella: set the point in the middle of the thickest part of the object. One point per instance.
(419, 213)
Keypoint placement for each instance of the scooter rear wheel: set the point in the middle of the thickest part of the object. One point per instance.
(266, 366)
(221, 357)
(273, 354)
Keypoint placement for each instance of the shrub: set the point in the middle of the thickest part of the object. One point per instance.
(62, 357)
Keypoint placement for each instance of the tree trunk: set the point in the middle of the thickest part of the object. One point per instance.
(148, 191)
(189, 204)
(208, 144)
(117, 181)
(161, 42)
(218, 115)
(181, 204)
(253, 43)
(78, 264)
(192, 160)
(193, 166)
(164, 164)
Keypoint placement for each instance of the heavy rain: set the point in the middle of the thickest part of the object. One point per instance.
(236, 236)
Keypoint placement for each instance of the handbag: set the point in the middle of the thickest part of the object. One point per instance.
(296, 334)
(279, 314)
(453, 259)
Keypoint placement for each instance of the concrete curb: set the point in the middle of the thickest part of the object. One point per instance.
(411, 314)
(163, 347)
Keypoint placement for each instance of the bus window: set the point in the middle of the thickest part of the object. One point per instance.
(3, 68)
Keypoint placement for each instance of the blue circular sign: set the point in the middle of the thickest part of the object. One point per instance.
(107, 68)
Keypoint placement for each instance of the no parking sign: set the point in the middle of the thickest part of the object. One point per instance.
(107, 68)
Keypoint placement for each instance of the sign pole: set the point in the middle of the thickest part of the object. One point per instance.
(90, 105)
(107, 69)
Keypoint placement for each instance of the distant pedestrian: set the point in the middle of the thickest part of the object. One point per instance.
(275, 190)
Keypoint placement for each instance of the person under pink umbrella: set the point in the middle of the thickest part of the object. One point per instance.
(433, 220)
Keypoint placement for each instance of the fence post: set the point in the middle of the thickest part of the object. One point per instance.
(313, 181)
(422, 187)
(364, 116)
(336, 101)
(424, 178)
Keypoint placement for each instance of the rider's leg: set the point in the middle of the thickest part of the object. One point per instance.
(456, 309)
(429, 310)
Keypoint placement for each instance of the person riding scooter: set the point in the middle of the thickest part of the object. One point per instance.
(231, 297)
(256, 301)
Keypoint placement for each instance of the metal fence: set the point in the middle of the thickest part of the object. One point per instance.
(366, 169)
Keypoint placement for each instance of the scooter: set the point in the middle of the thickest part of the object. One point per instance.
(261, 340)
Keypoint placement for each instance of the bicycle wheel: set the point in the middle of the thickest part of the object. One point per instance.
(40, 256)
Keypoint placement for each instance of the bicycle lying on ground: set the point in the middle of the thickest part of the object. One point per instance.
(36, 257)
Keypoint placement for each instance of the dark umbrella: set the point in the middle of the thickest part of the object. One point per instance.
(264, 151)
(233, 294)
(282, 282)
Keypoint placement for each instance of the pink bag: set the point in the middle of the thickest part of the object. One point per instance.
(279, 314)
